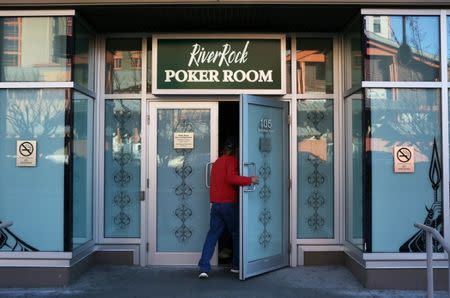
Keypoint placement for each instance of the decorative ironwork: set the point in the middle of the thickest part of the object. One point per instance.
(315, 201)
(183, 190)
(122, 158)
(265, 192)
(316, 179)
(9, 241)
(434, 218)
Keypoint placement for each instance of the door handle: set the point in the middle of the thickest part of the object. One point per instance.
(207, 174)
(250, 165)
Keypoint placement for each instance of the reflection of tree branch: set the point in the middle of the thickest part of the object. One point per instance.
(25, 116)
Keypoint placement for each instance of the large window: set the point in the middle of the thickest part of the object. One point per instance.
(34, 49)
(33, 197)
(407, 118)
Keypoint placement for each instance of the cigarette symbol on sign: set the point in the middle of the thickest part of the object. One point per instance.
(403, 154)
(26, 149)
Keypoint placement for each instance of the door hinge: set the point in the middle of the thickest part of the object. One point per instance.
(365, 246)
(148, 119)
(147, 247)
(289, 119)
(290, 183)
(148, 183)
(142, 195)
(290, 248)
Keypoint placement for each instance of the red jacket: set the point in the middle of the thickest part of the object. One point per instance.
(225, 180)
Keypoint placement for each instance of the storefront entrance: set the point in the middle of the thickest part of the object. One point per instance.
(184, 140)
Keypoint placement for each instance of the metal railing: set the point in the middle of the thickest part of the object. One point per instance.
(430, 234)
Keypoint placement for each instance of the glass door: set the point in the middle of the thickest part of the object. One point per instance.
(264, 222)
(182, 143)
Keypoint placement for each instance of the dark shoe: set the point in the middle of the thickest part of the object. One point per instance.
(234, 270)
(203, 275)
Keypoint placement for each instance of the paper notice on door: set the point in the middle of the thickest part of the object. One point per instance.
(315, 147)
(183, 140)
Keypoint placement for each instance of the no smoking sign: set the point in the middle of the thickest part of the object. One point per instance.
(26, 154)
(403, 159)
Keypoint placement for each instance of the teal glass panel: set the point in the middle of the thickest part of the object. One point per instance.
(288, 66)
(265, 204)
(402, 48)
(122, 168)
(353, 55)
(123, 66)
(315, 164)
(448, 48)
(34, 49)
(182, 198)
(83, 141)
(404, 117)
(314, 60)
(354, 182)
(83, 60)
(32, 197)
(149, 65)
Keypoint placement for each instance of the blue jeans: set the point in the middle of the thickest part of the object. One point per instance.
(222, 214)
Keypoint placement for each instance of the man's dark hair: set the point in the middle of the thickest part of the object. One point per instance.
(230, 145)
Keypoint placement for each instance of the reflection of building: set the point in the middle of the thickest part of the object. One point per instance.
(397, 50)
(25, 60)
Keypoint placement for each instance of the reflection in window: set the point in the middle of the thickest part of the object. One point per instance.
(123, 66)
(314, 65)
(403, 48)
(122, 168)
(354, 170)
(353, 56)
(288, 66)
(35, 49)
(33, 197)
(404, 117)
(83, 68)
(448, 47)
(83, 130)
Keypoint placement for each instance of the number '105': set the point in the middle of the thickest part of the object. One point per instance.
(265, 123)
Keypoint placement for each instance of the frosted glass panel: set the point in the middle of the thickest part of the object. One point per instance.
(182, 197)
(122, 168)
(265, 204)
(315, 163)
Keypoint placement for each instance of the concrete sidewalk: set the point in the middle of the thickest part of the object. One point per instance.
(134, 281)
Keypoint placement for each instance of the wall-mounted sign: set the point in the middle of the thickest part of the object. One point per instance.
(219, 64)
(26, 153)
(183, 140)
(403, 159)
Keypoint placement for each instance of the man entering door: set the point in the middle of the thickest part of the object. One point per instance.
(225, 208)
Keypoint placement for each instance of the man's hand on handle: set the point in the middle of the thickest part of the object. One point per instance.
(255, 179)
